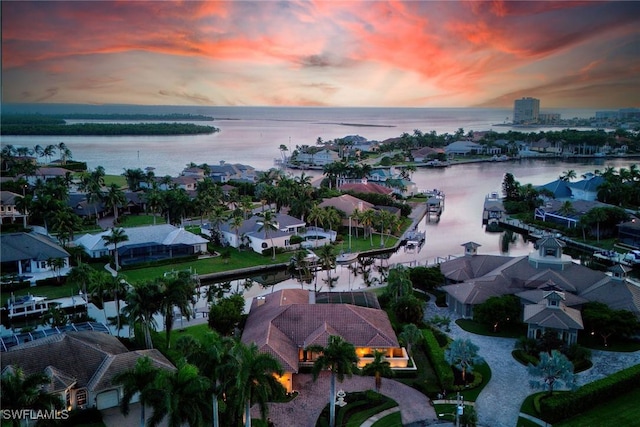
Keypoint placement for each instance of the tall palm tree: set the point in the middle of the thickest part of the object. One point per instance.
(81, 275)
(154, 200)
(327, 260)
(143, 302)
(20, 391)
(115, 198)
(379, 367)
(255, 380)
(100, 285)
(118, 235)
(176, 292)
(91, 183)
(182, 397)
(339, 357)
(119, 288)
(269, 224)
(138, 380)
(367, 218)
(212, 357)
(134, 177)
(236, 224)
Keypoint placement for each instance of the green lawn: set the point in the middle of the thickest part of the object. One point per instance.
(117, 179)
(237, 260)
(128, 221)
(391, 420)
(621, 411)
(508, 331)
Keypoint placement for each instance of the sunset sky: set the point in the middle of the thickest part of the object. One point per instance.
(575, 54)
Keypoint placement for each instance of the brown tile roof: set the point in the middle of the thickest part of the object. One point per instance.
(561, 317)
(90, 358)
(285, 321)
(346, 203)
(366, 188)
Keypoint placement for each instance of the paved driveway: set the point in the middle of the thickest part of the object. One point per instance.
(305, 409)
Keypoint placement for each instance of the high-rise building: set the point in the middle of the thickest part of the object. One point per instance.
(526, 111)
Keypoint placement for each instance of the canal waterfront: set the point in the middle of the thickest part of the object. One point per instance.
(465, 187)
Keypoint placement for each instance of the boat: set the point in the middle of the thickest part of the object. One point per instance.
(632, 257)
(35, 306)
(347, 258)
(437, 164)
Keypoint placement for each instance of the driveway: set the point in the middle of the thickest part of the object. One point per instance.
(305, 409)
(498, 405)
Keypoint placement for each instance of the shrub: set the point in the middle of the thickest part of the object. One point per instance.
(435, 353)
(295, 239)
(564, 405)
(477, 380)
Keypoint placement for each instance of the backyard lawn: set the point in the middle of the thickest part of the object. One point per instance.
(621, 411)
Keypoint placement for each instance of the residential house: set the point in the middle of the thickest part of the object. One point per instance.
(29, 253)
(545, 146)
(551, 314)
(629, 233)
(320, 158)
(46, 174)
(225, 172)
(464, 148)
(81, 366)
(153, 242)
(287, 322)
(425, 154)
(8, 210)
(365, 187)
(473, 278)
(349, 205)
(554, 211)
(587, 188)
(253, 233)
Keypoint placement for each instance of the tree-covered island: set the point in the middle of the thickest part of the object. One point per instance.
(57, 126)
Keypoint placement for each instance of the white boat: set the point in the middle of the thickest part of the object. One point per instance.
(632, 257)
(33, 306)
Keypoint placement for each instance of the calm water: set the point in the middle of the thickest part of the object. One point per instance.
(253, 135)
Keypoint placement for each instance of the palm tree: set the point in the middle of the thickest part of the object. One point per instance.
(367, 219)
(143, 302)
(134, 177)
(154, 201)
(100, 285)
(553, 369)
(410, 335)
(138, 380)
(379, 368)
(20, 391)
(114, 198)
(339, 357)
(212, 356)
(236, 224)
(181, 398)
(176, 292)
(568, 175)
(269, 224)
(118, 235)
(82, 275)
(119, 288)
(463, 354)
(255, 380)
(56, 264)
(327, 260)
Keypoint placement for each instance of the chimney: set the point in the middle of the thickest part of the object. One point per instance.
(312, 297)
(260, 301)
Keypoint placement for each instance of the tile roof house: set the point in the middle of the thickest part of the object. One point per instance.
(552, 314)
(365, 187)
(285, 323)
(473, 278)
(27, 253)
(81, 365)
(146, 243)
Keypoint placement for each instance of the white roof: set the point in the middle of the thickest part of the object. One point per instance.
(164, 234)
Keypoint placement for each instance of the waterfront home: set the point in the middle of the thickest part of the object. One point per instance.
(365, 187)
(186, 182)
(225, 172)
(425, 154)
(629, 233)
(287, 322)
(81, 366)
(465, 148)
(545, 146)
(314, 157)
(552, 314)
(29, 254)
(253, 233)
(46, 174)
(8, 209)
(554, 211)
(474, 278)
(148, 243)
(348, 204)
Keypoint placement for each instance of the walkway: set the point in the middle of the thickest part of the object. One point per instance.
(499, 402)
(314, 396)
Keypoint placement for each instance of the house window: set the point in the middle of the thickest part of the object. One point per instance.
(81, 397)
(43, 264)
(264, 245)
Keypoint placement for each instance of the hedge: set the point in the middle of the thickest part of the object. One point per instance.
(558, 407)
(435, 353)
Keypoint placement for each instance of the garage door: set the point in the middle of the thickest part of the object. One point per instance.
(107, 399)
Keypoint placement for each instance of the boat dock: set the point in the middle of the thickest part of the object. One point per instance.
(435, 204)
(493, 208)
